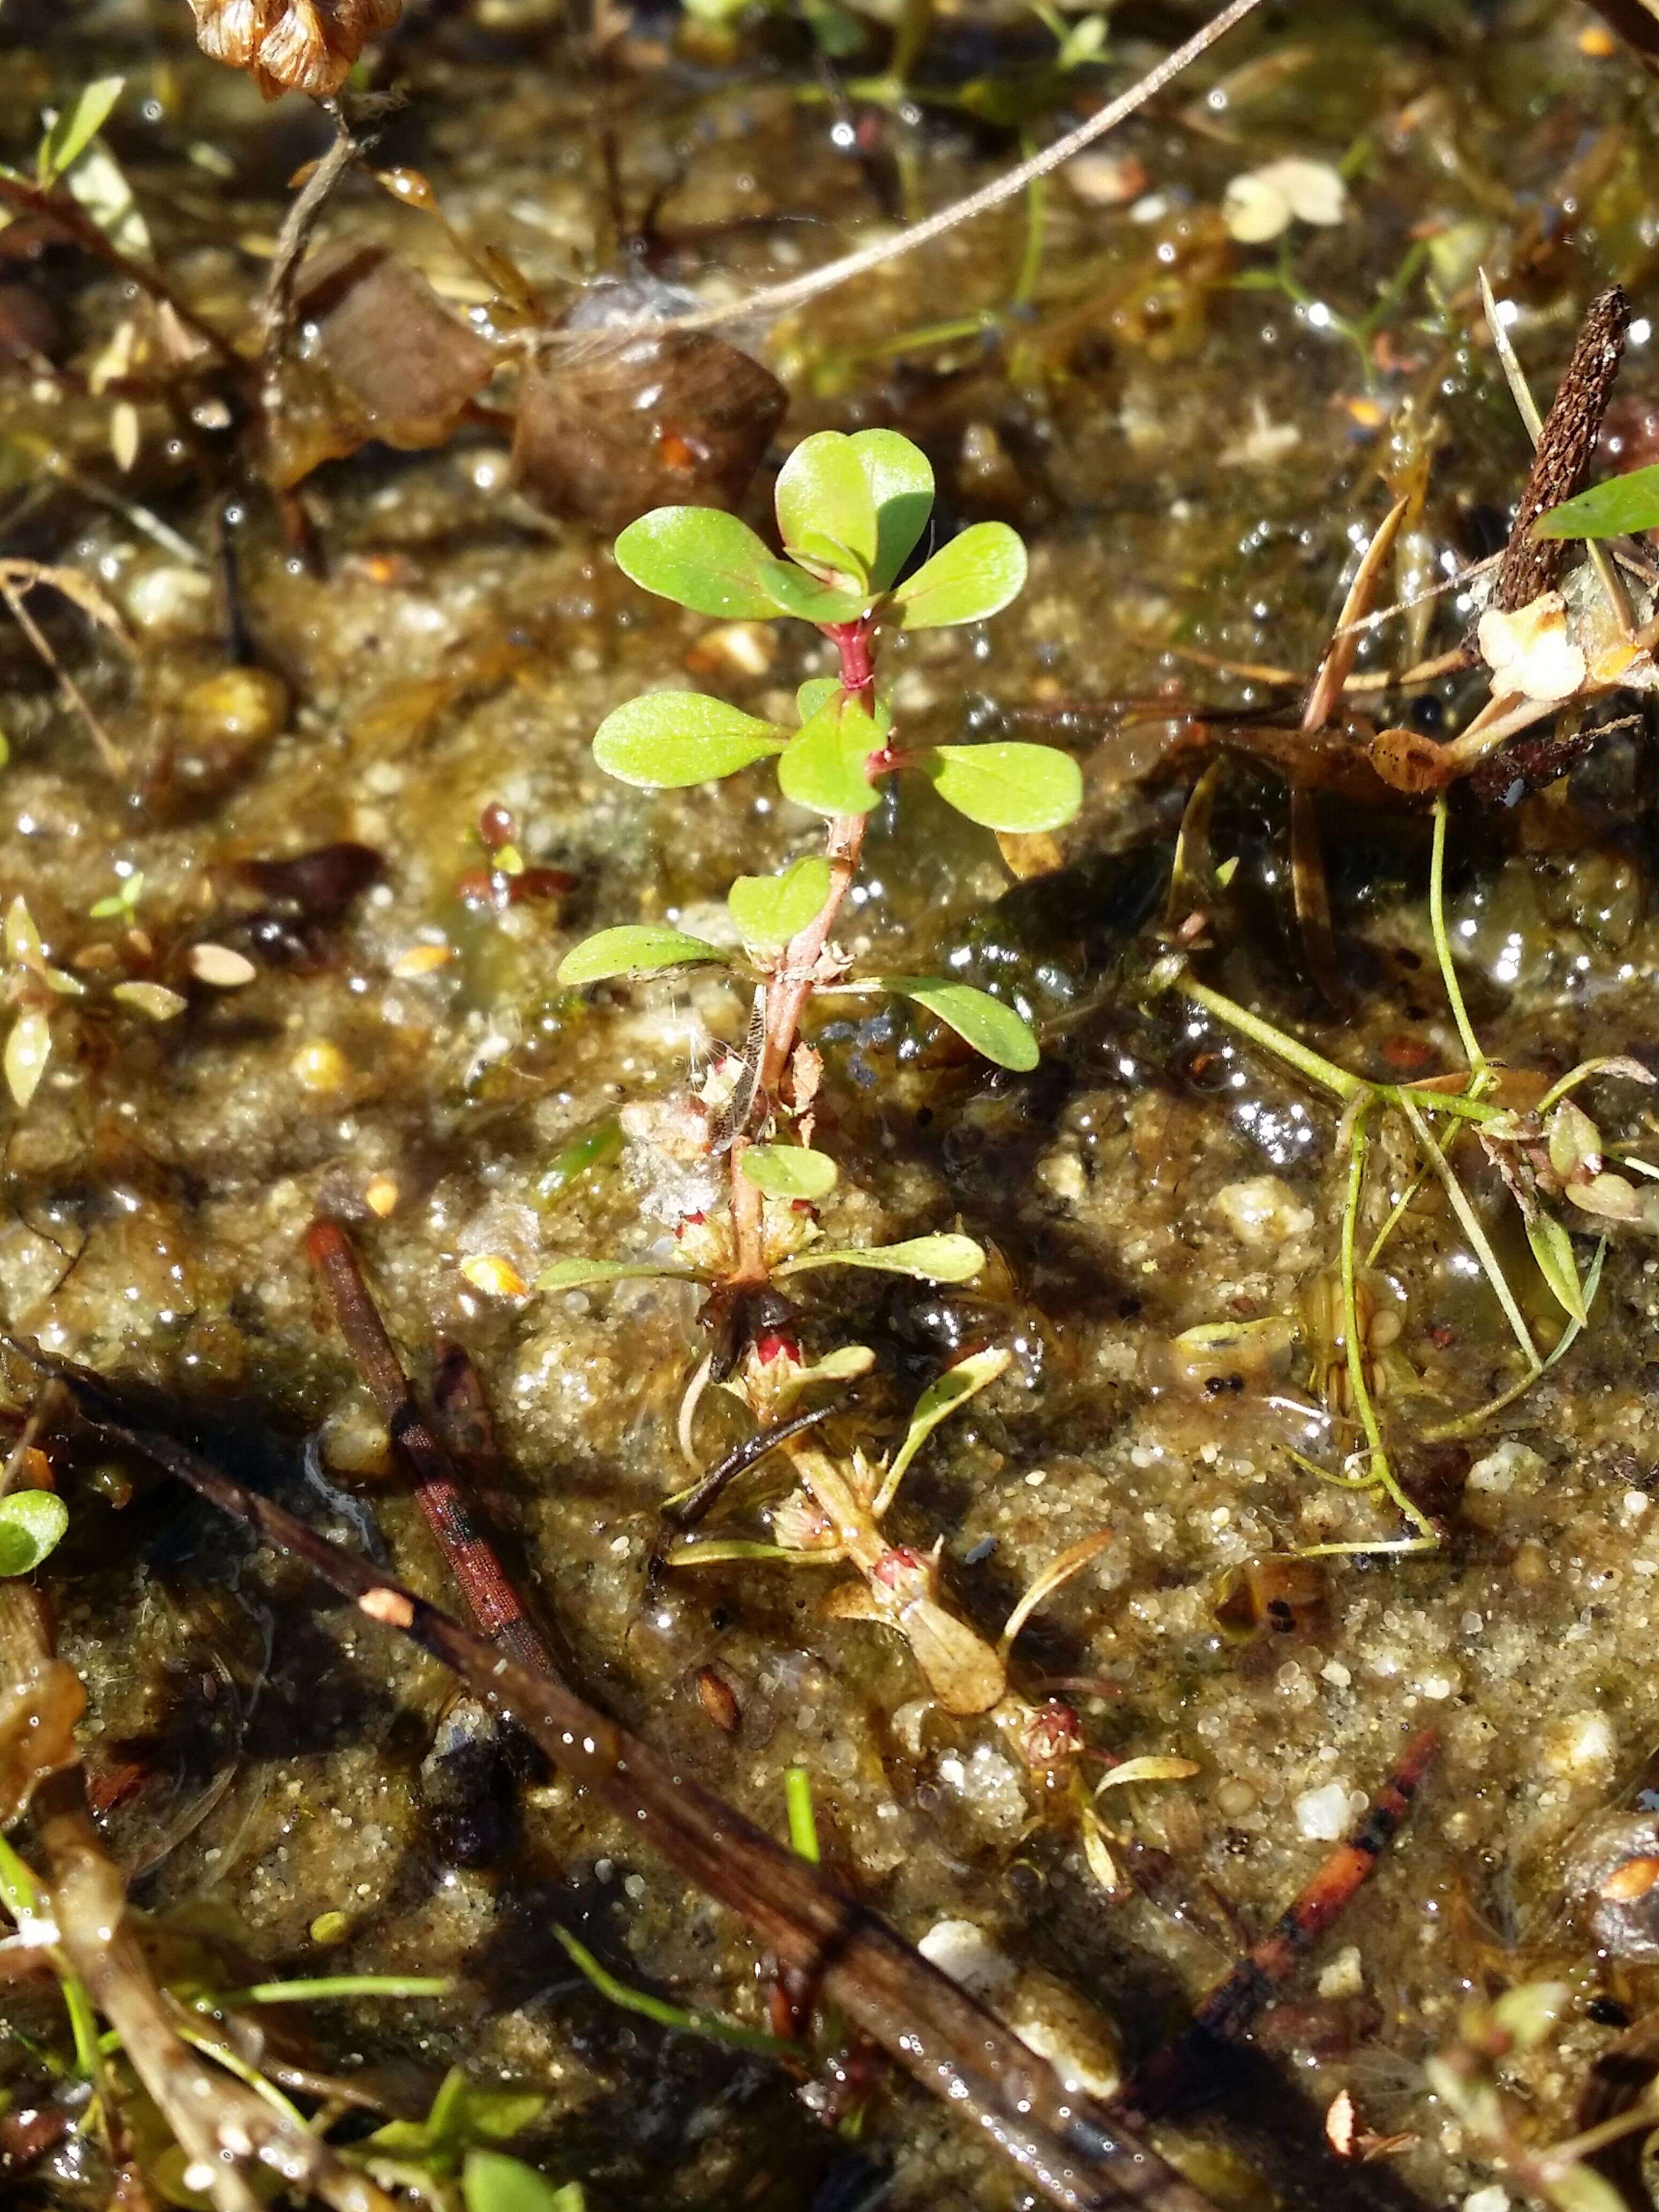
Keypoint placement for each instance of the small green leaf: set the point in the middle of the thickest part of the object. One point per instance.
(1551, 1248)
(579, 1274)
(983, 1022)
(633, 950)
(32, 1523)
(491, 2182)
(825, 765)
(701, 558)
(464, 2113)
(29, 1046)
(813, 694)
(768, 910)
(1015, 787)
(1621, 504)
(668, 739)
(937, 1402)
(789, 1171)
(902, 486)
(835, 32)
(823, 493)
(796, 594)
(947, 1259)
(973, 576)
(118, 901)
(73, 131)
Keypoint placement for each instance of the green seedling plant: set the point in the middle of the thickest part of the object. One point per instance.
(1550, 1157)
(833, 1517)
(850, 512)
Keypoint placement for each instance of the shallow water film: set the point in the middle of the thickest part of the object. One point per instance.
(908, 1031)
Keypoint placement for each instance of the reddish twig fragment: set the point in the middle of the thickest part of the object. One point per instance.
(1224, 2015)
(1082, 2158)
(491, 1597)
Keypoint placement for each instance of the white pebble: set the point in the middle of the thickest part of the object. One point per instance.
(966, 1953)
(1263, 1210)
(1322, 1815)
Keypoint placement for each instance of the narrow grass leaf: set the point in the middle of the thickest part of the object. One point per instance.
(668, 739)
(708, 2024)
(635, 948)
(74, 131)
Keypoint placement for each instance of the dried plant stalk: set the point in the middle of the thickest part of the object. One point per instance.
(1066, 2145)
(1565, 449)
(218, 2122)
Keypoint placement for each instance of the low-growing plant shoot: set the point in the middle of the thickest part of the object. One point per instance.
(851, 511)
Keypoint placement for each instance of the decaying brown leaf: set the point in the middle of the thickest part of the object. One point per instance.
(679, 419)
(292, 46)
(388, 361)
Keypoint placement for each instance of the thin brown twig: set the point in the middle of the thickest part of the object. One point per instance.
(64, 209)
(277, 302)
(777, 299)
(218, 2122)
(492, 1598)
(108, 751)
(1064, 2144)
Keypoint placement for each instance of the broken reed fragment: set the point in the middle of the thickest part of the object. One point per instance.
(1565, 449)
(219, 2122)
(1064, 2144)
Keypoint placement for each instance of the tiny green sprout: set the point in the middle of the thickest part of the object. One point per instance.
(492, 2182)
(466, 2116)
(69, 134)
(32, 1522)
(119, 903)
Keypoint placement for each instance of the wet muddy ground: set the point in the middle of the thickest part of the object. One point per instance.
(1193, 462)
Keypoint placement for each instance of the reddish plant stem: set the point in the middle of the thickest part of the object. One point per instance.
(491, 1597)
(1175, 2076)
(1064, 2145)
(790, 987)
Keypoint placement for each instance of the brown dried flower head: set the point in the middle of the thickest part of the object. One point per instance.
(292, 46)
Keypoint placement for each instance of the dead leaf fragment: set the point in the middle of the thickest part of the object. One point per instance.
(678, 420)
(388, 361)
(1531, 651)
(291, 45)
